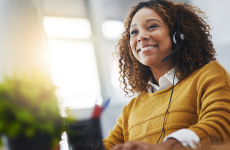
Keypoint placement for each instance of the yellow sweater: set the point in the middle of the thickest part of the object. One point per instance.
(200, 102)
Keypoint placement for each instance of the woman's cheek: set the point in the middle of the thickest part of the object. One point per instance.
(132, 44)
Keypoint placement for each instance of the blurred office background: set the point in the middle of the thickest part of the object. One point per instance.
(74, 40)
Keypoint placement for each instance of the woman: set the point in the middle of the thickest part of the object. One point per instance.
(167, 56)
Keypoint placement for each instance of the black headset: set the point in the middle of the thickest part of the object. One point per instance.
(179, 40)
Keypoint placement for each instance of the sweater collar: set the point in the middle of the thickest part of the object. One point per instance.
(165, 81)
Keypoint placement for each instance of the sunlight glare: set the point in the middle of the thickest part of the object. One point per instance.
(74, 71)
(112, 29)
(70, 28)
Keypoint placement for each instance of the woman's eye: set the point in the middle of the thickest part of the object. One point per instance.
(152, 26)
(133, 32)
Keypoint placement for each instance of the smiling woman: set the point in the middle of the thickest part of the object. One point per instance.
(150, 41)
(166, 56)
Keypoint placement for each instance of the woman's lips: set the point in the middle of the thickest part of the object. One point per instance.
(146, 48)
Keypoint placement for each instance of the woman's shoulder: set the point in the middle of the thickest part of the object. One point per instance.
(213, 70)
(134, 102)
(212, 67)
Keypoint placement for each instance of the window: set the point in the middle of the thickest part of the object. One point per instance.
(112, 29)
(72, 61)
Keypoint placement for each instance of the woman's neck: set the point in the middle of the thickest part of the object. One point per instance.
(158, 72)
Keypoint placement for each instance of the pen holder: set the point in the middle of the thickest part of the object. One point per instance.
(85, 135)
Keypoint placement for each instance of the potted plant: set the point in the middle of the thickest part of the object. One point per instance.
(29, 112)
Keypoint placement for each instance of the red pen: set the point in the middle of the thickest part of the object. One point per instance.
(96, 111)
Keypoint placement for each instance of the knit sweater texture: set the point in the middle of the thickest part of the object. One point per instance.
(200, 102)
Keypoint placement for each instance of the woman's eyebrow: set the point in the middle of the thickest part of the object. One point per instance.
(148, 20)
(133, 25)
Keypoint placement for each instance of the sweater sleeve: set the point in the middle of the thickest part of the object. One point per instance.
(115, 135)
(120, 133)
(213, 105)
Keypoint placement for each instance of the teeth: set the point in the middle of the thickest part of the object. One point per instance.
(147, 48)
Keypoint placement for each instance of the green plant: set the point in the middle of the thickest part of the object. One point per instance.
(29, 106)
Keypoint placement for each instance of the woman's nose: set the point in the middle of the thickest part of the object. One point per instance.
(143, 36)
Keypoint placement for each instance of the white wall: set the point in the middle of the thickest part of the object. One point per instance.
(22, 42)
(218, 15)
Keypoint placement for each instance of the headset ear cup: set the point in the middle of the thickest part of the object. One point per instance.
(182, 36)
(174, 38)
(178, 37)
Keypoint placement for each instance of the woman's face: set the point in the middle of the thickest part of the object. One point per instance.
(149, 38)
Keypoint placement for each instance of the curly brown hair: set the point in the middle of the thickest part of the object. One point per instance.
(198, 49)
